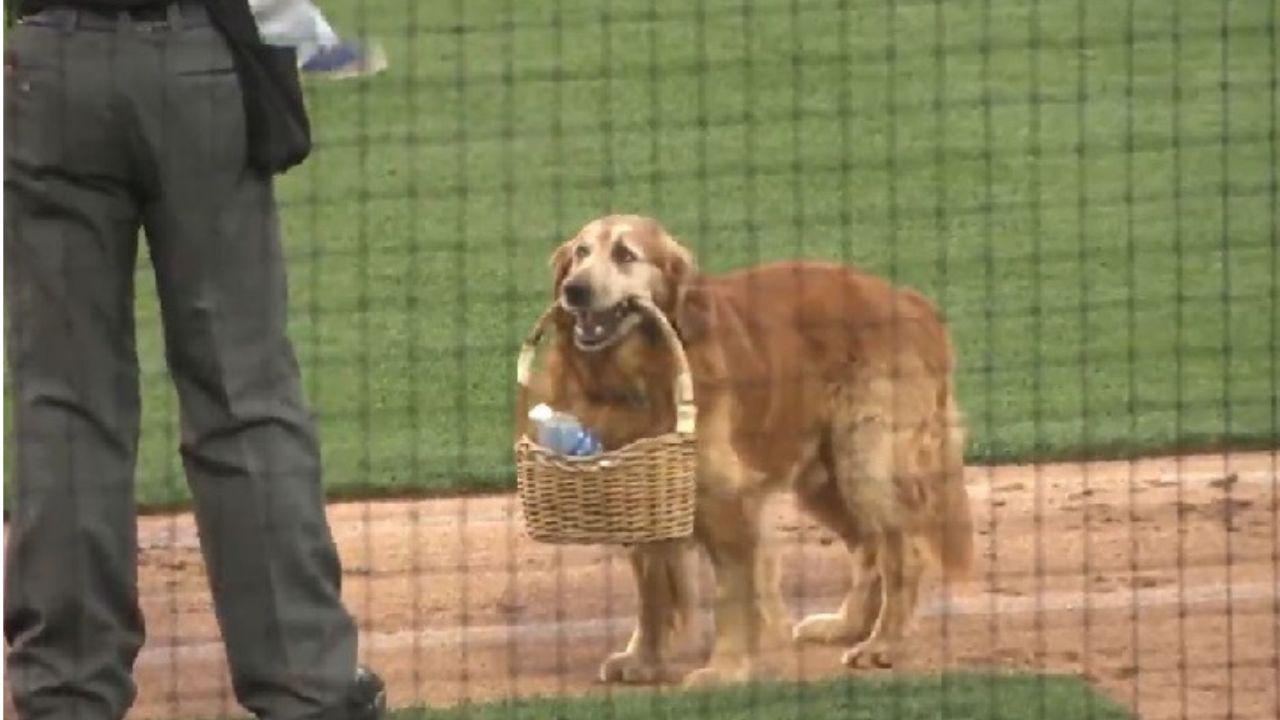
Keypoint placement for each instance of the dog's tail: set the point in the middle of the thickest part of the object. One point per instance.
(952, 536)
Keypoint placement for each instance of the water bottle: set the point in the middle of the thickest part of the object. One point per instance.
(563, 433)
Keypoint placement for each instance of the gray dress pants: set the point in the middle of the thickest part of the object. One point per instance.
(112, 125)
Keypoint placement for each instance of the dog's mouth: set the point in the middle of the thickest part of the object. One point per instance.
(598, 329)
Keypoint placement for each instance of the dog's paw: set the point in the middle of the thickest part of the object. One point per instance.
(707, 677)
(823, 628)
(632, 669)
(877, 652)
(715, 676)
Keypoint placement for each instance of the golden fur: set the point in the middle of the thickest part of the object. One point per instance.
(813, 377)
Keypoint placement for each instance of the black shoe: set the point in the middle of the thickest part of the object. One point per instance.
(368, 697)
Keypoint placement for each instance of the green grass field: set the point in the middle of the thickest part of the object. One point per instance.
(955, 697)
(1087, 189)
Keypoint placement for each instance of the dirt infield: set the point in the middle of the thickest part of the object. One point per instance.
(1157, 580)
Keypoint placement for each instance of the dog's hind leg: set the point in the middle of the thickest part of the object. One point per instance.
(914, 569)
(866, 459)
(899, 576)
(902, 567)
(818, 494)
(853, 620)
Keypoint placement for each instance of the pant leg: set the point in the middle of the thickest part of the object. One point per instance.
(71, 224)
(296, 23)
(248, 441)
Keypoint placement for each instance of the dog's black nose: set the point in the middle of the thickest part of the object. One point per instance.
(577, 295)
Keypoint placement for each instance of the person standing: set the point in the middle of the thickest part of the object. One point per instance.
(123, 115)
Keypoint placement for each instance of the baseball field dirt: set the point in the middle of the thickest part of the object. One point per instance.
(1156, 580)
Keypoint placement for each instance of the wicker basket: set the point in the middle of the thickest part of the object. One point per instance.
(638, 493)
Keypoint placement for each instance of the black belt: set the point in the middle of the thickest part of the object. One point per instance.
(152, 15)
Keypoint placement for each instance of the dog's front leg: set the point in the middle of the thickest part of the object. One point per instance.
(744, 612)
(665, 584)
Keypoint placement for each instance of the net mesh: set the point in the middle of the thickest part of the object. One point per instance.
(1087, 191)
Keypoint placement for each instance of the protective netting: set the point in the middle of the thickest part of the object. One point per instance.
(1088, 193)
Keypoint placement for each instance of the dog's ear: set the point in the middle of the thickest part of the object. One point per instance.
(560, 262)
(679, 270)
(692, 316)
(686, 302)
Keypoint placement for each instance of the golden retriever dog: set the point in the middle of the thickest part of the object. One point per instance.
(808, 376)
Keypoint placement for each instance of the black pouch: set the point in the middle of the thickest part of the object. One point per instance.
(276, 120)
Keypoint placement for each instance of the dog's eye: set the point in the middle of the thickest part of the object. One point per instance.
(623, 254)
(582, 251)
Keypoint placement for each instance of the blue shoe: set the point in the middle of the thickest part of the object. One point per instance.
(346, 60)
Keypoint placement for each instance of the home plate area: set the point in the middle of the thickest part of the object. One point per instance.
(1156, 580)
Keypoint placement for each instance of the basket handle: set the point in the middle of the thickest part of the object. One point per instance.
(686, 411)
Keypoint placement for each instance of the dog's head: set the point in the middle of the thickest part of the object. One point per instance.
(609, 264)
